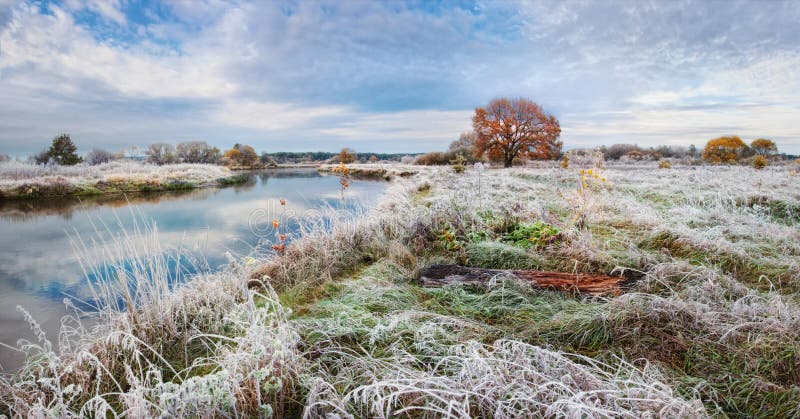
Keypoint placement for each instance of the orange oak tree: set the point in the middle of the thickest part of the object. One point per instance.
(724, 149)
(508, 128)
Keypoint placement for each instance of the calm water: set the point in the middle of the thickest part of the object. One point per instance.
(38, 267)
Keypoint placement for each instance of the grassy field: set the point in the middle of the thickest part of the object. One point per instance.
(337, 326)
(27, 180)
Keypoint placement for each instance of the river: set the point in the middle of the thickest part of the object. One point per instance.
(39, 267)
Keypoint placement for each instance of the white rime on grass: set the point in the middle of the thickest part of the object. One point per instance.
(508, 379)
(14, 173)
(209, 347)
(719, 246)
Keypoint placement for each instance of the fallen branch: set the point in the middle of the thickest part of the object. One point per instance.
(441, 275)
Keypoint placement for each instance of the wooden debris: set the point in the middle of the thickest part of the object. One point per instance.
(441, 275)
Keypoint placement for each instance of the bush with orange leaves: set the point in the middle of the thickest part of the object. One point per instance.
(759, 162)
(344, 177)
(724, 149)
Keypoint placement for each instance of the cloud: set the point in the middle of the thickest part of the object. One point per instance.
(108, 9)
(392, 76)
(272, 116)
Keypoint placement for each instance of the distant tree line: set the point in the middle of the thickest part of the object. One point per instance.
(634, 152)
(285, 157)
(506, 132)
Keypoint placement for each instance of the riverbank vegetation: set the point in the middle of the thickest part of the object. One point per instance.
(337, 324)
(27, 180)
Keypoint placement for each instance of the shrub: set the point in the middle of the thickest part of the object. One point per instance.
(4, 158)
(565, 162)
(435, 158)
(635, 155)
(537, 234)
(99, 156)
(759, 162)
(724, 149)
(458, 163)
(347, 156)
(40, 158)
(243, 156)
(663, 164)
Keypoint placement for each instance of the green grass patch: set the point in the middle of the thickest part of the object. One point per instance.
(233, 180)
(497, 255)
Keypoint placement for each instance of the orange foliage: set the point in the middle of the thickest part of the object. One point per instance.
(764, 147)
(507, 128)
(242, 155)
(724, 149)
(347, 156)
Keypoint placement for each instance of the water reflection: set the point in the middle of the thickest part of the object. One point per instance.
(38, 266)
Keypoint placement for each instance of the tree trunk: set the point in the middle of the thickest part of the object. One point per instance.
(440, 275)
(508, 162)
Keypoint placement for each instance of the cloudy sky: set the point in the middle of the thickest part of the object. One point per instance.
(393, 76)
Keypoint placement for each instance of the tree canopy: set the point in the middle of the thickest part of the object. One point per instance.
(243, 156)
(764, 147)
(160, 153)
(63, 151)
(724, 149)
(347, 155)
(508, 128)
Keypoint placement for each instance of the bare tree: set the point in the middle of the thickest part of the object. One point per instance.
(197, 152)
(160, 153)
(99, 156)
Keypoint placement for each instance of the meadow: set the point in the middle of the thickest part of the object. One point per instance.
(29, 180)
(336, 324)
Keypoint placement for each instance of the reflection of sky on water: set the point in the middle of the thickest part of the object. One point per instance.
(38, 267)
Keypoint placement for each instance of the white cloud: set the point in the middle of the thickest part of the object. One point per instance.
(273, 116)
(418, 125)
(110, 9)
(52, 52)
(319, 75)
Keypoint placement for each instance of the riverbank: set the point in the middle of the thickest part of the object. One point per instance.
(25, 180)
(338, 325)
(374, 171)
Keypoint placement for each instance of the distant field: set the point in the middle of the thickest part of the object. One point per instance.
(338, 324)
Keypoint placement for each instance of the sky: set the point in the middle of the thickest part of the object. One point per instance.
(394, 76)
